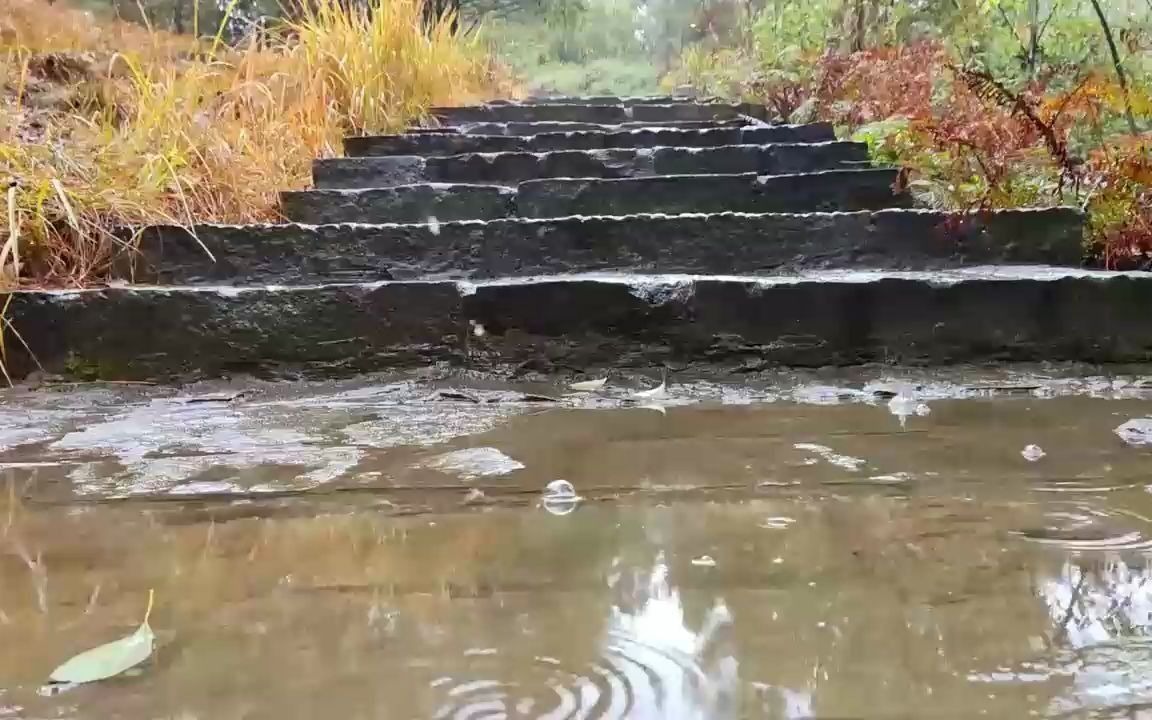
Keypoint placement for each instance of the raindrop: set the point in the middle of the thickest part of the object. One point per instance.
(477, 329)
(704, 561)
(1032, 453)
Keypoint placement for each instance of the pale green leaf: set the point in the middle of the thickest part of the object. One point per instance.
(109, 659)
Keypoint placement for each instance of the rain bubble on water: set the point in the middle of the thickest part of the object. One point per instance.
(1032, 453)
(560, 497)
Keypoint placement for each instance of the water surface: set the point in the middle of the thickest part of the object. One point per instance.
(381, 551)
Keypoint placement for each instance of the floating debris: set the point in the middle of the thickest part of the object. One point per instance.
(476, 462)
(475, 496)
(1137, 431)
(704, 561)
(588, 385)
(829, 455)
(777, 523)
(659, 391)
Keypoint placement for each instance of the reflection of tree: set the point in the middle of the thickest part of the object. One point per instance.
(1100, 603)
(1102, 617)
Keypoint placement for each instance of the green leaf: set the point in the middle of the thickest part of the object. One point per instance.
(110, 659)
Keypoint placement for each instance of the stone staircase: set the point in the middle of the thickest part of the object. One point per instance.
(584, 234)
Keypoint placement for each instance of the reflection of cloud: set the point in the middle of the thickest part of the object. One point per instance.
(664, 663)
(676, 672)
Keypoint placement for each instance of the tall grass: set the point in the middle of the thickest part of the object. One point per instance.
(108, 125)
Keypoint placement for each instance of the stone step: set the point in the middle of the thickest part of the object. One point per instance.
(606, 100)
(600, 114)
(725, 244)
(829, 190)
(516, 167)
(586, 322)
(436, 142)
(527, 129)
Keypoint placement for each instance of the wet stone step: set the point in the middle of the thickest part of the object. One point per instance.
(830, 190)
(584, 322)
(606, 100)
(524, 129)
(725, 244)
(443, 142)
(601, 114)
(516, 167)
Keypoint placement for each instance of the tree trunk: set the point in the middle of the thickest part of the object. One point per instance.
(1033, 37)
(1120, 77)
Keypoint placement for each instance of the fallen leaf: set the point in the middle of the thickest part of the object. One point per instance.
(109, 659)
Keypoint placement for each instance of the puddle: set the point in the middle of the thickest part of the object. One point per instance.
(407, 550)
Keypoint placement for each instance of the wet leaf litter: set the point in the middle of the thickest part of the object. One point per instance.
(108, 660)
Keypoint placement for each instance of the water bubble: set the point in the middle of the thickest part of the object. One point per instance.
(1137, 431)
(1032, 453)
(560, 497)
(704, 561)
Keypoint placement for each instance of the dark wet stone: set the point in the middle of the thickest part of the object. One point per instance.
(128, 333)
(843, 190)
(605, 100)
(599, 114)
(452, 143)
(575, 323)
(525, 129)
(832, 190)
(405, 204)
(515, 167)
(725, 244)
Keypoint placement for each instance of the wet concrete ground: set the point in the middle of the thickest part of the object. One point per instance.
(870, 545)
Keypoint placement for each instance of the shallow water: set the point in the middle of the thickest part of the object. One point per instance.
(769, 550)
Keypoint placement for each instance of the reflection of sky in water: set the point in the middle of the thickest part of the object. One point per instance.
(1105, 612)
(674, 671)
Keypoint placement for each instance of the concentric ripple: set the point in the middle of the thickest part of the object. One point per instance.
(630, 680)
(1085, 528)
(650, 665)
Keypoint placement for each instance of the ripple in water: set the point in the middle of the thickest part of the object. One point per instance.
(1086, 529)
(651, 666)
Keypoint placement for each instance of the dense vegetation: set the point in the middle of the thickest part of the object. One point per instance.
(130, 111)
(988, 103)
(105, 123)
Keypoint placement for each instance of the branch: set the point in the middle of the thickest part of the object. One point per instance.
(1117, 65)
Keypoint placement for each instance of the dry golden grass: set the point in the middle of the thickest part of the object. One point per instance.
(110, 124)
